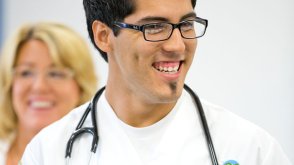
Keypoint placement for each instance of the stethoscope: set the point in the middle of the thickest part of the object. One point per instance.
(94, 131)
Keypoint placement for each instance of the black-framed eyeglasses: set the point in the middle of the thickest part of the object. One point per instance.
(189, 29)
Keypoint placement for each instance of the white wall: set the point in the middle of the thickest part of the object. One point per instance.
(245, 62)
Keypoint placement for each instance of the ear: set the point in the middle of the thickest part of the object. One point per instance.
(101, 34)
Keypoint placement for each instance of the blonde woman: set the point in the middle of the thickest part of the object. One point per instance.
(45, 71)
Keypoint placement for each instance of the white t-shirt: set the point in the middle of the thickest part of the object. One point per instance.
(178, 139)
(145, 140)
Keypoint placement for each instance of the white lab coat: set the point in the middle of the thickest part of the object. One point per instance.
(183, 142)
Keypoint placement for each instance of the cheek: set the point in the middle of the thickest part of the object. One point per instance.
(18, 96)
(133, 47)
(128, 55)
(69, 96)
(191, 49)
(191, 46)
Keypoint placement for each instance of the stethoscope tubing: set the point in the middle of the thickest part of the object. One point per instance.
(92, 130)
(92, 107)
(204, 124)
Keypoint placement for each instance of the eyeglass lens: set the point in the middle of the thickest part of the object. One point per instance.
(52, 75)
(162, 31)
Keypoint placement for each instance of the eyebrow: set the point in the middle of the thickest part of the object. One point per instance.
(31, 64)
(163, 19)
(189, 15)
(24, 64)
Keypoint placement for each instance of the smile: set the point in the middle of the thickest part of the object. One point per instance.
(167, 67)
(41, 104)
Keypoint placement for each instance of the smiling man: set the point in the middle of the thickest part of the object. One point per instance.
(147, 68)
(144, 116)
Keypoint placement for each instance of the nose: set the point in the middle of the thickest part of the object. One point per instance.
(175, 43)
(40, 83)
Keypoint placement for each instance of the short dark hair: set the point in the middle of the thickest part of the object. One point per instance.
(108, 11)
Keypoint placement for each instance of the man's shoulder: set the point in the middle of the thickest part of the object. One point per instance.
(235, 136)
(224, 119)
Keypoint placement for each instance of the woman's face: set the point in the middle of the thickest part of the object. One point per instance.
(41, 92)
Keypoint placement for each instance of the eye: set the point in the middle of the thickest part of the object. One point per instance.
(154, 28)
(24, 73)
(187, 25)
(57, 74)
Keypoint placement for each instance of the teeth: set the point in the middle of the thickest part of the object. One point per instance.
(41, 104)
(169, 70)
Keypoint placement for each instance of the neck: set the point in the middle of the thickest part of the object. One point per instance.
(135, 110)
(18, 145)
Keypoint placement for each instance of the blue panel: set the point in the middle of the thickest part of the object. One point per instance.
(1, 21)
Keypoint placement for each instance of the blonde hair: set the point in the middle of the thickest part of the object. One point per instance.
(66, 48)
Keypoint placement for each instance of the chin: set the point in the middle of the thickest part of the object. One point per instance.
(44, 123)
(170, 97)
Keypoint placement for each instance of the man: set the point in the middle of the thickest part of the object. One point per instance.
(144, 117)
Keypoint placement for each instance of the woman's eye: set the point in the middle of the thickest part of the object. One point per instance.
(25, 73)
(57, 74)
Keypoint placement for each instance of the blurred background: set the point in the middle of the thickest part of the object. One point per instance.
(245, 62)
(1, 22)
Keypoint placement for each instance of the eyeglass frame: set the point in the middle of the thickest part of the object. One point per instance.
(17, 71)
(174, 26)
